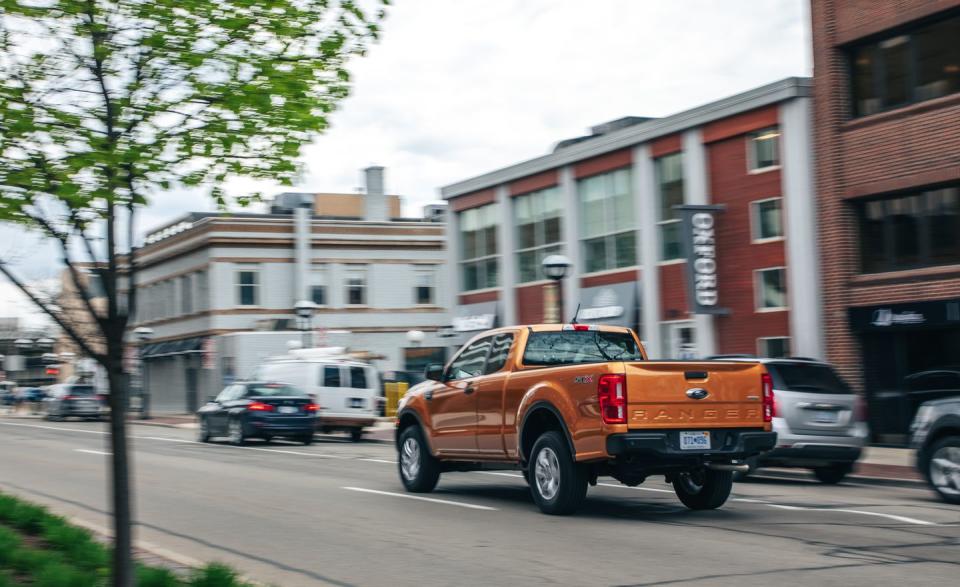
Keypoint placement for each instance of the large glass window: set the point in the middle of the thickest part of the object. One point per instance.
(764, 148)
(186, 294)
(911, 230)
(537, 217)
(609, 224)
(774, 347)
(912, 66)
(669, 170)
(771, 289)
(767, 219)
(471, 361)
(478, 254)
(248, 287)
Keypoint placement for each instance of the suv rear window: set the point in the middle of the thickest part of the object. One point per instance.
(570, 347)
(812, 378)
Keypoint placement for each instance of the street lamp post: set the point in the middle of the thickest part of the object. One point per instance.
(143, 334)
(555, 267)
(305, 310)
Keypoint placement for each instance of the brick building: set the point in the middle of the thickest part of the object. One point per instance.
(887, 136)
(607, 201)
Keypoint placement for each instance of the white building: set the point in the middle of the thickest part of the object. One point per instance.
(374, 276)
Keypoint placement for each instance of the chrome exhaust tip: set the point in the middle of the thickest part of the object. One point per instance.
(735, 467)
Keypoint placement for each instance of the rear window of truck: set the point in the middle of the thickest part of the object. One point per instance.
(571, 347)
(812, 378)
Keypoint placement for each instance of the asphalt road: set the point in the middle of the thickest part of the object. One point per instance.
(335, 513)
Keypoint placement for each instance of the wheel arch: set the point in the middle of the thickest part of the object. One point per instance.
(540, 417)
(405, 419)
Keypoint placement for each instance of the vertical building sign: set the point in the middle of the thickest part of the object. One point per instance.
(700, 248)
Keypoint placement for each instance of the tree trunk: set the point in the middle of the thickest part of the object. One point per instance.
(120, 478)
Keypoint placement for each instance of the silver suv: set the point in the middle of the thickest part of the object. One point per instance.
(820, 422)
(936, 437)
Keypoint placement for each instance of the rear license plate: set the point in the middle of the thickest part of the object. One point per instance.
(357, 402)
(288, 410)
(695, 440)
(825, 417)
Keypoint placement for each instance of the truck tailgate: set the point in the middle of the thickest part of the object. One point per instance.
(670, 394)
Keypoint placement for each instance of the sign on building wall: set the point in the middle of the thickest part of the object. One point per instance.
(698, 230)
(614, 304)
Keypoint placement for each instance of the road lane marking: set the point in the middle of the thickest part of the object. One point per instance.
(860, 512)
(166, 439)
(379, 461)
(54, 428)
(470, 506)
(92, 452)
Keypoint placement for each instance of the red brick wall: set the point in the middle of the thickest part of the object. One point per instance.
(473, 200)
(737, 257)
(476, 298)
(903, 148)
(530, 304)
(666, 145)
(609, 278)
(742, 123)
(534, 182)
(603, 163)
(673, 292)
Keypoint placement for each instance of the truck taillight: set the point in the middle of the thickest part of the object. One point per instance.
(769, 400)
(612, 393)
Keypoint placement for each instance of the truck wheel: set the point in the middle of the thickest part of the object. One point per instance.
(942, 469)
(557, 482)
(703, 489)
(833, 474)
(204, 434)
(419, 470)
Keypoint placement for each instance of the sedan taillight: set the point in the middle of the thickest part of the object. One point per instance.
(311, 407)
(612, 393)
(259, 407)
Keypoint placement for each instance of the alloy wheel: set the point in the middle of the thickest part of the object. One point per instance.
(945, 470)
(546, 473)
(410, 459)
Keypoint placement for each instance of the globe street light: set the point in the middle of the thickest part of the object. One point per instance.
(555, 267)
(415, 337)
(305, 310)
(143, 334)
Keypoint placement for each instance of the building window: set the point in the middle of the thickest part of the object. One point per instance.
(916, 65)
(538, 230)
(424, 287)
(669, 170)
(318, 286)
(609, 227)
(771, 289)
(248, 287)
(767, 219)
(203, 290)
(774, 347)
(911, 230)
(186, 294)
(356, 287)
(478, 255)
(763, 150)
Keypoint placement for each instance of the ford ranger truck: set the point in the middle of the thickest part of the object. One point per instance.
(566, 404)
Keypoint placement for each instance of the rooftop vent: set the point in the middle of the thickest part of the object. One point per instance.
(602, 129)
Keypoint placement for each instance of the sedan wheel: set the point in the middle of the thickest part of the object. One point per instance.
(943, 470)
(235, 432)
(204, 434)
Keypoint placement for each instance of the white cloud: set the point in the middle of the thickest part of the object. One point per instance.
(456, 89)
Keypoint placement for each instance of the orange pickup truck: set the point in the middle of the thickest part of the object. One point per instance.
(566, 404)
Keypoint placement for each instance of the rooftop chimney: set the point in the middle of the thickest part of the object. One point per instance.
(375, 201)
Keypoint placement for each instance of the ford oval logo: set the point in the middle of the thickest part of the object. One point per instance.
(697, 393)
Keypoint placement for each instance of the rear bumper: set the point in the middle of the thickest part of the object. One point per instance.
(346, 421)
(288, 425)
(665, 445)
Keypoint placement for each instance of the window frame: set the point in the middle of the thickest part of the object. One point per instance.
(323, 375)
(449, 368)
(482, 260)
(761, 340)
(752, 138)
(321, 271)
(431, 274)
(611, 232)
(539, 224)
(758, 290)
(255, 270)
(756, 223)
(662, 222)
(512, 338)
(347, 275)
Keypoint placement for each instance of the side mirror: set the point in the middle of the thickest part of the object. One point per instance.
(434, 372)
(211, 399)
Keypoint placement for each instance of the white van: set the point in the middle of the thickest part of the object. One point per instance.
(346, 390)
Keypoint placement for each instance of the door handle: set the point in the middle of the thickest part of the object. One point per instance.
(470, 389)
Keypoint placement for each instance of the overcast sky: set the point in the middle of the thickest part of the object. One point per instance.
(456, 89)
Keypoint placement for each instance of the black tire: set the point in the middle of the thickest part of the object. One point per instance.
(558, 483)
(203, 433)
(307, 439)
(703, 489)
(356, 434)
(235, 432)
(419, 470)
(833, 474)
(267, 437)
(946, 487)
(742, 476)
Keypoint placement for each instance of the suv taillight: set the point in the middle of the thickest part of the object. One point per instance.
(612, 393)
(260, 407)
(769, 401)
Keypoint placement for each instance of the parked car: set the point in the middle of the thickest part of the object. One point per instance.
(347, 390)
(254, 409)
(68, 400)
(820, 422)
(566, 404)
(936, 438)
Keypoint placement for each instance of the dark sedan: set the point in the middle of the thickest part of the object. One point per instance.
(253, 409)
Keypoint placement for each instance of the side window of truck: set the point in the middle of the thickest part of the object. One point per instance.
(471, 361)
(499, 353)
(331, 376)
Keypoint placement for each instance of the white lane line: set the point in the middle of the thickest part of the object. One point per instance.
(91, 452)
(379, 461)
(748, 500)
(470, 506)
(501, 474)
(165, 439)
(860, 512)
(54, 428)
(639, 488)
